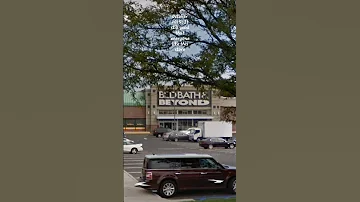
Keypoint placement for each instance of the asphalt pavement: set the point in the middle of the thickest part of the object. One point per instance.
(154, 145)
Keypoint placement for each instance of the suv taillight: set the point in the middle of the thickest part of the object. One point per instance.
(148, 175)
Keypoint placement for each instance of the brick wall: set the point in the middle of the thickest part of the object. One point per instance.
(134, 112)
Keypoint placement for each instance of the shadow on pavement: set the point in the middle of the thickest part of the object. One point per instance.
(202, 195)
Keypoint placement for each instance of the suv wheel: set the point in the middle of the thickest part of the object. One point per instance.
(167, 189)
(231, 146)
(210, 146)
(134, 151)
(176, 140)
(232, 185)
(159, 135)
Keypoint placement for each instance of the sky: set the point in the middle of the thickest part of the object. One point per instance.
(191, 50)
(143, 2)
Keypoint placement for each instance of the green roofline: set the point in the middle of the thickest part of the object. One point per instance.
(138, 101)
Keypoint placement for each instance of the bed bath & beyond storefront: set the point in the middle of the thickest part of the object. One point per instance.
(177, 110)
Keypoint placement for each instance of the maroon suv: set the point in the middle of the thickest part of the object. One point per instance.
(169, 173)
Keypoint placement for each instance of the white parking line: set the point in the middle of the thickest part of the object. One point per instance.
(134, 172)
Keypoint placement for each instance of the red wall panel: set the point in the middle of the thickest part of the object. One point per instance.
(134, 112)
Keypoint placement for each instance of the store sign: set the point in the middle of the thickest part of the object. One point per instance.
(184, 98)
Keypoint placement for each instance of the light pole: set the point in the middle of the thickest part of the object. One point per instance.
(175, 118)
(174, 111)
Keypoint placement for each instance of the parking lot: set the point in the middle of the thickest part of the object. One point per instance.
(154, 145)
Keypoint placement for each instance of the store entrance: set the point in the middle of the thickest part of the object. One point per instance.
(168, 124)
(180, 124)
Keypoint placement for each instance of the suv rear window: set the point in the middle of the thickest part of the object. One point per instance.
(208, 163)
(163, 163)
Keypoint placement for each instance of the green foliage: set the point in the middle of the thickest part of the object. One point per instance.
(147, 45)
(228, 114)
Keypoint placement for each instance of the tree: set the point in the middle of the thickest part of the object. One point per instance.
(149, 56)
(228, 114)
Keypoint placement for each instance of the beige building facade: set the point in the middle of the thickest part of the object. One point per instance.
(184, 108)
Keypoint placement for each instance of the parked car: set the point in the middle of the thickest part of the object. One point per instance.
(168, 174)
(210, 143)
(166, 135)
(132, 147)
(124, 136)
(158, 132)
(127, 140)
(233, 140)
(176, 136)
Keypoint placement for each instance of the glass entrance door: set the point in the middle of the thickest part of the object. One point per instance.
(168, 124)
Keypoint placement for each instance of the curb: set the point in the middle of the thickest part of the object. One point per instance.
(137, 133)
(137, 181)
(130, 176)
(180, 200)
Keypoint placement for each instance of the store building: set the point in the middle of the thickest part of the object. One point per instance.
(134, 112)
(177, 110)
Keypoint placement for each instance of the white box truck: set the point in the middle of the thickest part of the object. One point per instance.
(188, 131)
(207, 129)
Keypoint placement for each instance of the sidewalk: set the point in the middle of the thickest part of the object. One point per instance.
(134, 194)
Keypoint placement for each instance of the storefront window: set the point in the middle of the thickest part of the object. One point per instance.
(167, 112)
(167, 124)
(185, 124)
(140, 122)
(134, 124)
(129, 122)
(185, 111)
(201, 112)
